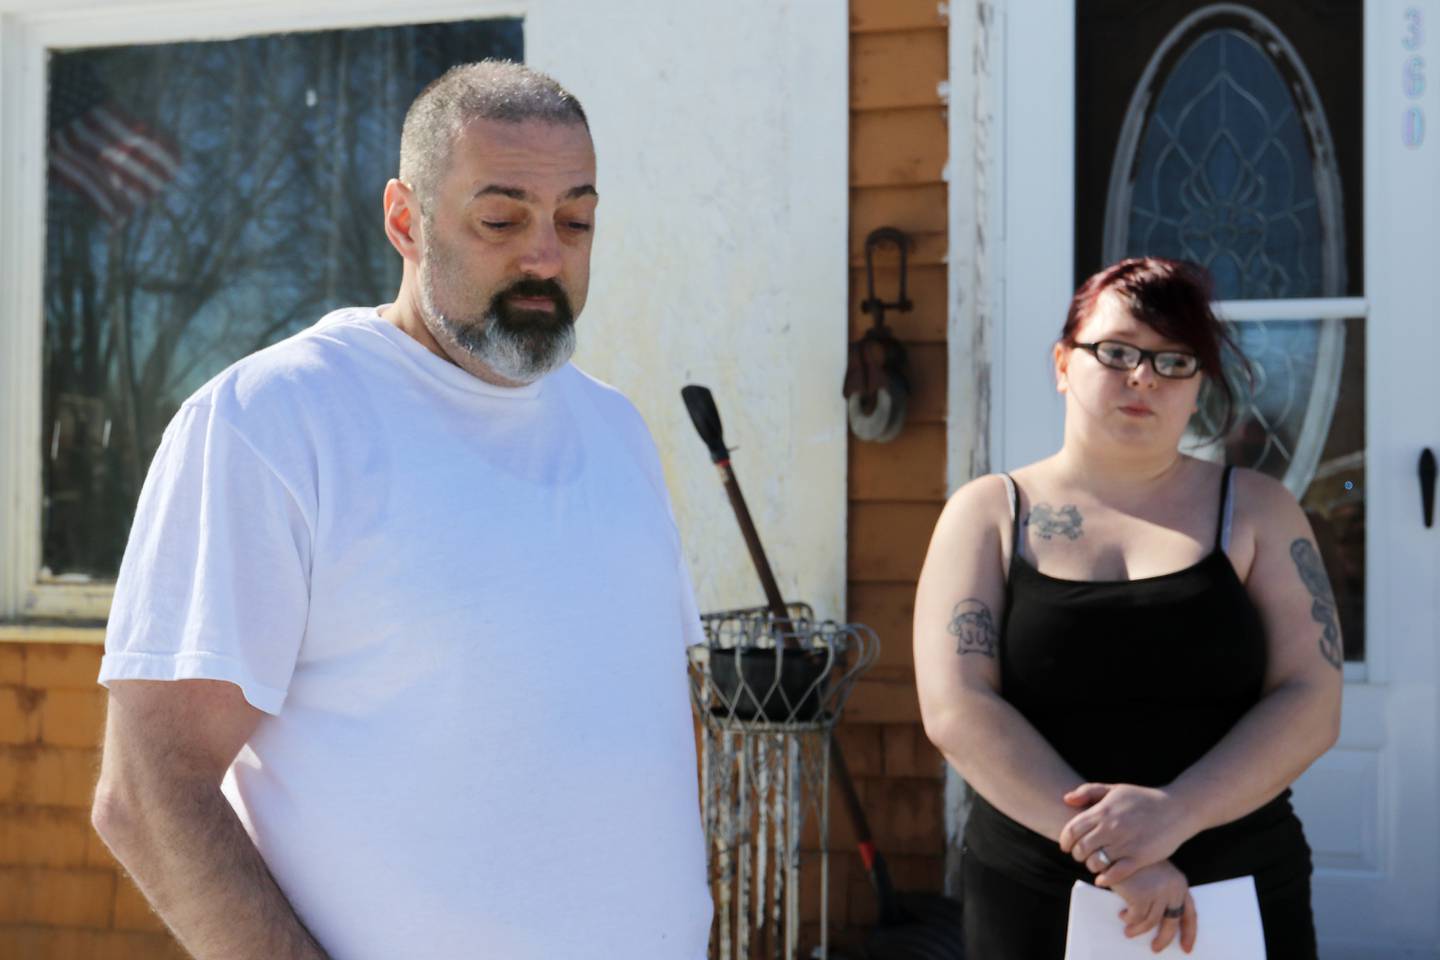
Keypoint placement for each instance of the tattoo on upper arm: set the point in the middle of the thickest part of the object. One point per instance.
(1047, 522)
(973, 628)
(1322, 599)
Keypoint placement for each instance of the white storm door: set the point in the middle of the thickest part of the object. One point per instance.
(1371, 806)
(1374, 801)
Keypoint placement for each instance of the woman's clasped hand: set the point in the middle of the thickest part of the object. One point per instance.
(1125, 835)
(1158, 898)
(1133, 826)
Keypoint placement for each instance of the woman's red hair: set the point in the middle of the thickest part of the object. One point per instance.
(1173, 298)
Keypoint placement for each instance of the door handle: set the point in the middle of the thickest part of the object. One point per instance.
(1427, 486)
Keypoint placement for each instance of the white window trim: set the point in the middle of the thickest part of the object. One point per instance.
(28, 29)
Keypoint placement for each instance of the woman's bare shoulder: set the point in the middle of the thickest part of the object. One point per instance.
(1266, 505)
(969, 542)
(1261, 489)
(979, 507)
(984, 505)
(984, 496)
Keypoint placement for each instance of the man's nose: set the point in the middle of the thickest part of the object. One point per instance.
(542, 257)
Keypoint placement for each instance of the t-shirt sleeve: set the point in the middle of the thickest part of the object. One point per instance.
(692, 631)
(214, 583)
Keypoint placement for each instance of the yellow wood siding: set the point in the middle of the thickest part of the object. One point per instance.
(898, 144)
(61, 893)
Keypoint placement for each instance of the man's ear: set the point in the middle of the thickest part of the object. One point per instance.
(402, 219)
(1061, 358)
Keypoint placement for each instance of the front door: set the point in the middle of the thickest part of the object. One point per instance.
(1283, 144)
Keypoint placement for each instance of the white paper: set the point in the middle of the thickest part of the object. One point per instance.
(1228, 925)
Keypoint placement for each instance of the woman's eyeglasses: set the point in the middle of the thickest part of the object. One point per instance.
(1119, 355)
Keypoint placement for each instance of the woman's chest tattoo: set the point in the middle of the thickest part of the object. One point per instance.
(1047, 523)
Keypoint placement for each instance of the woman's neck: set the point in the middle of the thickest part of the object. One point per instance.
(1108, 472)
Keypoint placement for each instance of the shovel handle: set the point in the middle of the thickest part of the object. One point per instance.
(852, 802)
(773, 600)
(875, 864)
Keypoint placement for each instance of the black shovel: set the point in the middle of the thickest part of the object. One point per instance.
(911, 926)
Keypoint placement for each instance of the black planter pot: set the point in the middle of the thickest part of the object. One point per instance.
(759, 684)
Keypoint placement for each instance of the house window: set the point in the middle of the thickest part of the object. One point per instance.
(204, 200)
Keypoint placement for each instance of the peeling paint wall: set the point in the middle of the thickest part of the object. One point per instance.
(720, 258)
(976, 226)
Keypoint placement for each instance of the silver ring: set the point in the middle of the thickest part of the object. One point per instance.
(1175, 913)
(1103, 857)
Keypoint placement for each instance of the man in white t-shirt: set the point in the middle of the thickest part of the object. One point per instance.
(396, 658)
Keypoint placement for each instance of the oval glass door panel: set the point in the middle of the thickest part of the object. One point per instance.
(1225, 159)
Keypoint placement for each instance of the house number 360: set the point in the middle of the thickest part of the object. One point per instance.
(1412, 79)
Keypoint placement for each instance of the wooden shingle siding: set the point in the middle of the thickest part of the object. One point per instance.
(918, 210)
(889, 16)
(880, 472)
(61, 892)
(887, 542)
(44, 943)
(898, 145)
(875, 84)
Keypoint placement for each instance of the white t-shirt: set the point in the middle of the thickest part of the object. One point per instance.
(465, 610)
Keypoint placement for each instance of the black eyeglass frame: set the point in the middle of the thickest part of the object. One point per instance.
(1152, 355)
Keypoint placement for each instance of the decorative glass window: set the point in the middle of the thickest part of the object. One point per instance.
(204, 200)
(1225, 159)
(1226, 175)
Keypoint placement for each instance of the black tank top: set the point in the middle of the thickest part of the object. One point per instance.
(1132, 681)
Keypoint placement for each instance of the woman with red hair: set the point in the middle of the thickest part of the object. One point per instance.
(1129, 653)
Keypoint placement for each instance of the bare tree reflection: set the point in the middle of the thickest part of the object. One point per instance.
(272, 220)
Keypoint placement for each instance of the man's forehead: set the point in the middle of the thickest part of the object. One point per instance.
(529, 155)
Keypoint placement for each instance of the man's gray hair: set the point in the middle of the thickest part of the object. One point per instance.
(489, 90)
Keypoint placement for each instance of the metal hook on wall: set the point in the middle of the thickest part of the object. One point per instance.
(873, 304)
(877, 379)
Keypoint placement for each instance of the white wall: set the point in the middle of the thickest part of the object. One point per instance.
(720, 258)
(721, 132)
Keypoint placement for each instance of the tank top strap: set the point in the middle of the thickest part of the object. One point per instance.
(1227, 508)
(1014, 491)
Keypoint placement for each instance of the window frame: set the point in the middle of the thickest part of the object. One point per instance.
(29, 29)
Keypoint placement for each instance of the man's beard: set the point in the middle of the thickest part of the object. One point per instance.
(519, 345)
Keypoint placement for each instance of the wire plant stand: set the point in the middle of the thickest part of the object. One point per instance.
(768, 693)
